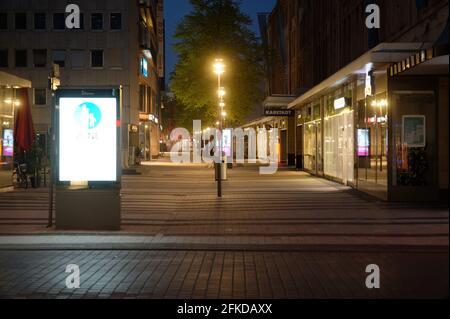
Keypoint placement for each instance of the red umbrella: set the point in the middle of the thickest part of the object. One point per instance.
(24, 134)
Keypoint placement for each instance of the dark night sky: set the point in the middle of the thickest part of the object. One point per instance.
(175, 10)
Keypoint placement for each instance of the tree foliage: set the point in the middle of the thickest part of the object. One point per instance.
(216, 29)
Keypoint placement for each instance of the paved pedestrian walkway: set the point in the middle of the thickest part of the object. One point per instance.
(289, 235)
(221, 274)
(178, 204)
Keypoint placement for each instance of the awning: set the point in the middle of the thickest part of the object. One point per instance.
(278, 100)
(10, 80)
(433, 61)
(24, 134)
(377, 58)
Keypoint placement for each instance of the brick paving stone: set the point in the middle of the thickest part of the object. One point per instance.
(200, 275)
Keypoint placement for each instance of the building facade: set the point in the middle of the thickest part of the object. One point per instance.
(363, 94)
(119, 44)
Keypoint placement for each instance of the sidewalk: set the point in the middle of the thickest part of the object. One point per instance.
(175, 206)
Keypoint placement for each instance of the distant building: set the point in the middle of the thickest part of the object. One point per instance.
(361, 96)
(120, 43)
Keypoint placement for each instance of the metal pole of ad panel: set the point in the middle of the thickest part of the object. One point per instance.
(54, 83)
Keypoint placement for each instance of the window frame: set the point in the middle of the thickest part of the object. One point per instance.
(35, 95)
(26, 58)
(5, 14)
(111, 21)
(40, 66)
(7, 58)
(91, 58)
(103, 21)
(15, 21)
(45, 21)
(54, 20)
(65, 57)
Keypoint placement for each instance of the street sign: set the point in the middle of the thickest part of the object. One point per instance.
(278, 112)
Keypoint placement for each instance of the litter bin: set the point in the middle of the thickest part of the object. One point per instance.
(224, 169)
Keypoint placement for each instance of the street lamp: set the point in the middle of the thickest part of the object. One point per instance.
(221, 92)
(219, 69)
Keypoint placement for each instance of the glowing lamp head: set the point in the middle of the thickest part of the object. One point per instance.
(222, 104)
(224, 114)
(219, 67)
(221, 92)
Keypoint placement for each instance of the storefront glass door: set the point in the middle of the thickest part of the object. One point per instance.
(372, 148)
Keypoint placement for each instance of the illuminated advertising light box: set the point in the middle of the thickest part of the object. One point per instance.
(363, 142)
(88, 138)
(227, 138)
(8, 143)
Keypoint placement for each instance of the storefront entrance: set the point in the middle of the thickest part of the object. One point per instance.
(372, 145)
(299, 148)
(339, 147)
(283, 146)
(6, 136)
(145, 139)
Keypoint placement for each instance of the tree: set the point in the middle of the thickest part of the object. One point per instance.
(216, 29)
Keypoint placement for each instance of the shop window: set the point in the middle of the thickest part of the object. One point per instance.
(40, 97)
(21, 58)
(97, 21)
(4, 58)
(39, 21)
(59, 21)
(20, 21)
(97, 58)
(116, 21)
(3, 21)
(40, 58)
(316, 111)
(59, 57)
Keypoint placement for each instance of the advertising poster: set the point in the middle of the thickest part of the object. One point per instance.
(414, 131)
(8, 143)
(88, 140)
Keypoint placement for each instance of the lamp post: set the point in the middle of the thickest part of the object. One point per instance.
(219, 69)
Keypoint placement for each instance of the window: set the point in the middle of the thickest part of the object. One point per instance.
(59, 57)
(77, 58)
(21, 59)
(40, 97)
(39, 21)
(20, 21)
(4, 58)
(3, 21)
(81, 21)
(116, 21)
(97, 58)
(40, 58)
(142, 99)
(59, 21)
(144, 67)
(97, 21)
